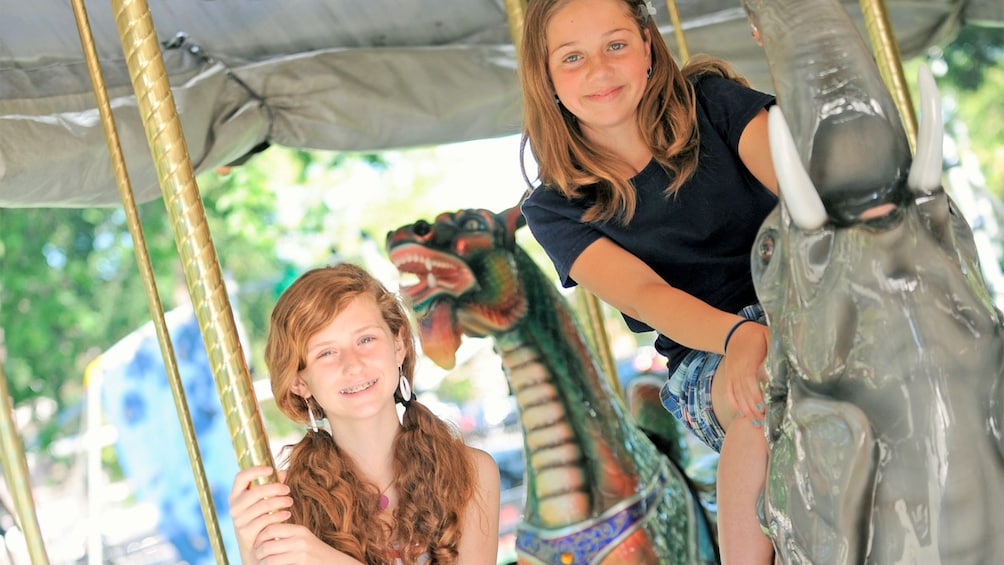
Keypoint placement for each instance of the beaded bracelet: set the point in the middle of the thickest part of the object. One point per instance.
(732, 330)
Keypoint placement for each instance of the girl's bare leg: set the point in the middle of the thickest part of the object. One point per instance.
(742, 469)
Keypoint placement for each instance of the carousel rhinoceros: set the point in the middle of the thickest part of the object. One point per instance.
(885, 395)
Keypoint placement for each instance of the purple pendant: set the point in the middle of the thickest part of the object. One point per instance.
(384, 502)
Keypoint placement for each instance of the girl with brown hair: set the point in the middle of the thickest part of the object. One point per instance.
(369, 487)
(653, 183)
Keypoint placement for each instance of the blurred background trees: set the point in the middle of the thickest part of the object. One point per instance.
(970, 73)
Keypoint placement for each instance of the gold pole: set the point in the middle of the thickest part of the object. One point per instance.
(681, 38)
(890, 64)
(598, 333)
(15, 467)
(149, 282)
(191, 232)
(516, 11)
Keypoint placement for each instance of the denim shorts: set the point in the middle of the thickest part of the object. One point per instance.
(687, 393)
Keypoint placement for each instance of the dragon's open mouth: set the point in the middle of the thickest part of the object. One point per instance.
(427, 274)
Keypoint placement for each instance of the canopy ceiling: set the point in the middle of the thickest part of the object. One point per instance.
(318, 74)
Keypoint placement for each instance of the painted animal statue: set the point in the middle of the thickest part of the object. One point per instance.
(886, 363)
(597, 490)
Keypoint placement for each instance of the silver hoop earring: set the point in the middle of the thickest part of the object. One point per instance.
(313, 421)
(557, 100)
(405, 387)
(648, 73)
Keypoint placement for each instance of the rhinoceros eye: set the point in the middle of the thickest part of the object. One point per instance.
(765, 248)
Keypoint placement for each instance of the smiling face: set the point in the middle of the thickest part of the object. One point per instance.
(598, 59)
(352, 364)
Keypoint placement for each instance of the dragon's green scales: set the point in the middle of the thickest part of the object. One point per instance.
(597, 489)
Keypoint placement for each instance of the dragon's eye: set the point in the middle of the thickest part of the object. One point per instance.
(473, 223)
(421, 228)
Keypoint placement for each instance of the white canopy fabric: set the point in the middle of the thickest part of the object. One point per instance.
(337, 75)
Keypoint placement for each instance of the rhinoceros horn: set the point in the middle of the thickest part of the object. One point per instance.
(798, 192)
(925, 173)
(843, 121)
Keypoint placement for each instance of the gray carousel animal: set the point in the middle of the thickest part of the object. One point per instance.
(886, 365)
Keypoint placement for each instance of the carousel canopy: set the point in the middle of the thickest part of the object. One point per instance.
(346, 75)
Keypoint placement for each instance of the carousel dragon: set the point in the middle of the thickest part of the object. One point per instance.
(886, 364)
(597, 489)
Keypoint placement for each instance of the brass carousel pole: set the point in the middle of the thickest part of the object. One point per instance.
(890, 64)
(191, 232)
(598, 332)
(681, 38)
(515, 13)
(149, 282)
(15, 468)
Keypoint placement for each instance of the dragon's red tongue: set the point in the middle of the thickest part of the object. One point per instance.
(440, 335)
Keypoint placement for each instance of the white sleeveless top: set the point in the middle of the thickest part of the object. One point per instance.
(422, 559)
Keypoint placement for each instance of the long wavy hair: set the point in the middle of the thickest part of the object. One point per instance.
(331, 496)
(667, 119)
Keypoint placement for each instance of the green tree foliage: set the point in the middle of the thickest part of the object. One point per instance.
(69, 289)
(68, 277)
(972, 82)
(971, 57)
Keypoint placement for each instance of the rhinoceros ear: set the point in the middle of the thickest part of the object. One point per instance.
(925, 172)
(797, 191)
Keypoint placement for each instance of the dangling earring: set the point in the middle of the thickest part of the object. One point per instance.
(310, 414)
(648, 73)
(557, 100)
(405, 387)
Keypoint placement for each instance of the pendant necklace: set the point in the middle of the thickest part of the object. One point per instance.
(384, 501)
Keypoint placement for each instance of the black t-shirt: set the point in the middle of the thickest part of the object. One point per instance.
(699, 240)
